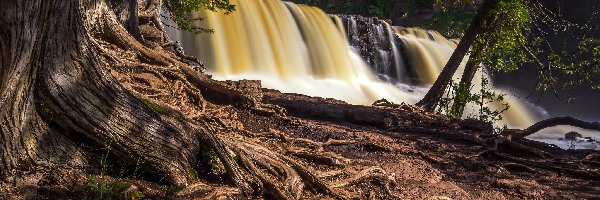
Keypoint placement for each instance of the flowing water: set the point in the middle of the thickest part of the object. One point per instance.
(289, 47)
(300, 49)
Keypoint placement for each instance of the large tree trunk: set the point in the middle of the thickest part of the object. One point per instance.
(54, 82)
(435, 93)
(62, 67)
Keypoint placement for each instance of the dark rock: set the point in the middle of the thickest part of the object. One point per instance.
(375, 41)
(572, 135)
(589, 139)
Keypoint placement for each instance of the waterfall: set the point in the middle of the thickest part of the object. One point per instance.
(289, 47)
(429, 51)
(300, 49)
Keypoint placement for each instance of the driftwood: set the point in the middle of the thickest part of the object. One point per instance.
(556, 121)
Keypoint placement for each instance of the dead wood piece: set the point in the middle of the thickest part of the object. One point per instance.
(385, 103)
(556, 121)
(323, 158)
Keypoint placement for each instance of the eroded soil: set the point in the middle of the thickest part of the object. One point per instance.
(359, 157)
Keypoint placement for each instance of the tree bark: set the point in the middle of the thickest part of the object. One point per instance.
(55, 78)
(433, 96)
(127, 13)
(60, 93)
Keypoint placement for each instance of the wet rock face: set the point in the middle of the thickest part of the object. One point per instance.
(377, 44)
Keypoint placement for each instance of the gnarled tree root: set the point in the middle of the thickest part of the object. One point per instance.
(372, 174)
(274, 169)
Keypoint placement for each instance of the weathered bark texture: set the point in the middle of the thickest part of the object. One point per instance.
(81, 76)
(433, 96)
(58, 80)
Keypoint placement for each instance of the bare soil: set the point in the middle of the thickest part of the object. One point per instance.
(361, 160)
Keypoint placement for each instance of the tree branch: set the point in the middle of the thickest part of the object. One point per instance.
(556, 121)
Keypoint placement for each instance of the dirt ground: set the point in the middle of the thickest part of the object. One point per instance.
(360, 158)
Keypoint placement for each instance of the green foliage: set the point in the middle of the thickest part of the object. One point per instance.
(154, 106)
(506, 36)
(510, 42)
(102, 189)
(479, 101)
(181, 12)
(209, 163)
(378, 8)
(104, 158)
(113, 189)
(449, 22)
(584, 64)
(450, 17)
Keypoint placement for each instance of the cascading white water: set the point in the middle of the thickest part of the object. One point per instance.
(429, 52)
(289, 47)
(300, 49)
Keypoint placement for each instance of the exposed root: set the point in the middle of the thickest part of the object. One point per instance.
(516, 148)
(178, 49)
(592, 163)
(271, 187)
(372, 174)
(238, 176)
(331, 173)
(312, 179)
(277, 170)
(200, 189)
(517, 167)
(542, 165)
(334, 142)
(323, 158)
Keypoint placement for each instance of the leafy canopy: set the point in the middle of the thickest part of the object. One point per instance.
(506, 36)
(181, 12)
